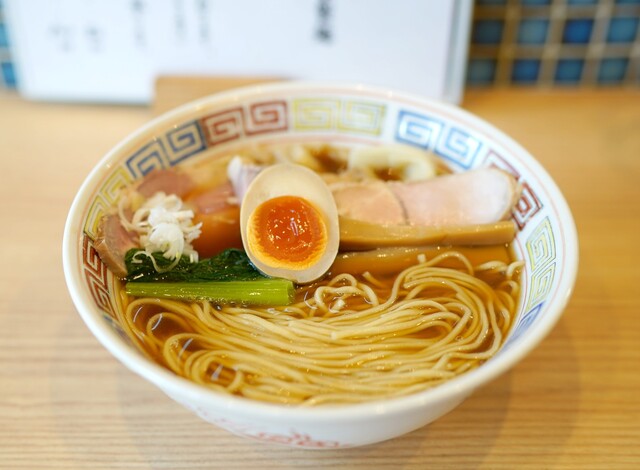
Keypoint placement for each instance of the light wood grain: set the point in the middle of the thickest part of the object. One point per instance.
(572, 403)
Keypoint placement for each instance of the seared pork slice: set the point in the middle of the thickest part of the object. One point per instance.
(113, 242)
(213, 200)
(372, 201)
(480, 196)
(169, 181)
(459, 209)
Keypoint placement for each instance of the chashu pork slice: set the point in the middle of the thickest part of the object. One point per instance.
(372, 201)
(113, 242)
(169, 181)
(475, 197)
(469, 208)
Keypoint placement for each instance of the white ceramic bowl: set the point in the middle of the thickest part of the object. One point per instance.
(344, 114)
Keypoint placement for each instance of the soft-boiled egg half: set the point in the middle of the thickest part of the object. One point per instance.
(289, 223)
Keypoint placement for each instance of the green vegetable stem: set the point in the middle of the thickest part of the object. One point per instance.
(226, 278)
(257, 292)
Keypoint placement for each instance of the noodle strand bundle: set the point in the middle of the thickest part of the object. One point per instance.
(348, 339)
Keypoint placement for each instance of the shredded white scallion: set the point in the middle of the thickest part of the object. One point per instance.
(164, 225)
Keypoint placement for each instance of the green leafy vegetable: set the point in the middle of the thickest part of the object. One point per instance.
(226, 278)
(230, 265)
(258, 292)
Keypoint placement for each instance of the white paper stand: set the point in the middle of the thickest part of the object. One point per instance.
(112, 50)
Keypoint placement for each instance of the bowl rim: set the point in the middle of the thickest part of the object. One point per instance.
(176, 386)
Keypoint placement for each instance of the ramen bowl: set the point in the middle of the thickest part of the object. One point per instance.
(546, 239)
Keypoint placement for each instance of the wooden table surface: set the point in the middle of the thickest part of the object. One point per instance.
(572, 403)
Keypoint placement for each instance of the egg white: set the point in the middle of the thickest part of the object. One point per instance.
(285, 179)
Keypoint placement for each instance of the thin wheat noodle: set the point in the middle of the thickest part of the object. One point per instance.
(350, 339)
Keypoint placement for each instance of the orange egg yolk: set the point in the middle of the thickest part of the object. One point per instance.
(287, 232)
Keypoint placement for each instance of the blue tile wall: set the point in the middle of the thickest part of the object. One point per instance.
(612, 70)
(569, 71)
(487, 31)
(525, 70)
(577, 31)
(482, 71)
(555, 42)
(623, 29)
(533, 31)
(535, 2)
(7, 72)
(4, 41)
